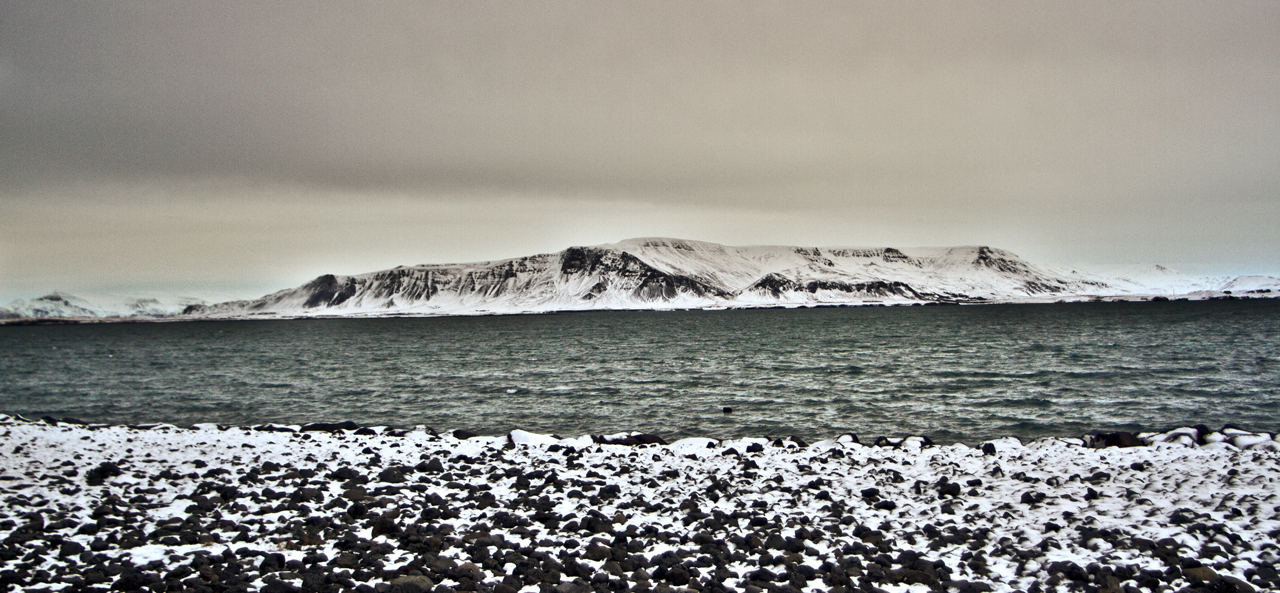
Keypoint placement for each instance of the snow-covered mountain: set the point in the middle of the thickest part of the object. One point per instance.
(60, 305)
(660, 273)
(1157, 280)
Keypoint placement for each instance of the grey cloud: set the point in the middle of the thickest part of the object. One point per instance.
(1069, 130)
(589, 95)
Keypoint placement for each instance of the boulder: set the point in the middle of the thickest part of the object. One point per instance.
(1115, 439)
(330, 426)
(411, 584)
(98, 475)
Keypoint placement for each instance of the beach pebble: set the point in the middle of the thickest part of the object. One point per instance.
(335, 507)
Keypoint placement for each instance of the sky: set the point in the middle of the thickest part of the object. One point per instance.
(237, 148)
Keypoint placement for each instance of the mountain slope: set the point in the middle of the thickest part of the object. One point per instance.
(60, 305)
(661, 273)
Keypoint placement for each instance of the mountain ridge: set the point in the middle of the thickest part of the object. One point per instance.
(667, 273)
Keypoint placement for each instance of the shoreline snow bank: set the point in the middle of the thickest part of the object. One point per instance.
(236, 509)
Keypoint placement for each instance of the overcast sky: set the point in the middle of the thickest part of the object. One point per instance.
(247, 147)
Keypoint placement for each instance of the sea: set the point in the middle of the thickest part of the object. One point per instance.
(952, 373)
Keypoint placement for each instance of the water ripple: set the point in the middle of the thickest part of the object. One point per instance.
(955, 373)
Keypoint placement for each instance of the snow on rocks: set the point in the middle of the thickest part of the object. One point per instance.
(1201, 436)
(212, 508)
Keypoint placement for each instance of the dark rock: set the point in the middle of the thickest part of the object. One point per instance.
(775, 542)
(344, 474)
(412, 584)
(271, 563)
(347, 560)
(132, 580)
(384, 525)
(968, 587)
(678, 576)
(886, 505)
(1070, 570)
(595, 524)
(330, 426)
(598, 552)
(356, 493)
(763, 575)
(1200, 573)
(393, 475)
(432, 466)
(98, 475)
(988, 449)
(1230, 583)
(1116, 439)
(463, 435)
(69, 548)
(1098, 477)
(279, 587)
(1182, 516)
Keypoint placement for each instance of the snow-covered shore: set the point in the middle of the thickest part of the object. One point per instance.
(277, 509)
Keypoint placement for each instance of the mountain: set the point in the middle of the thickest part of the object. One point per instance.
(1157, 280)
(60, 305)
(661, 273)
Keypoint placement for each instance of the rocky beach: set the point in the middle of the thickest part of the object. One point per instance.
(337, 507)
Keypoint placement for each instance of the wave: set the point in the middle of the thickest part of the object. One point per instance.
(1025, 402)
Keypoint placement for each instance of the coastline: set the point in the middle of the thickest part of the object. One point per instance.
(233, 508)
(431, 314)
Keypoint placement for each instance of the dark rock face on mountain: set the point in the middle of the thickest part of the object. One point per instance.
(649, 283)
(657, 273)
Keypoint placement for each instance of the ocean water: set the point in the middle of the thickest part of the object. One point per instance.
(952, 373)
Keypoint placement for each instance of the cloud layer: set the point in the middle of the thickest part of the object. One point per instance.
(1068, 131)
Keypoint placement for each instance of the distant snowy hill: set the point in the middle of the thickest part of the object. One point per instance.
(1157, 280)
(658, 273)
(59, 305)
